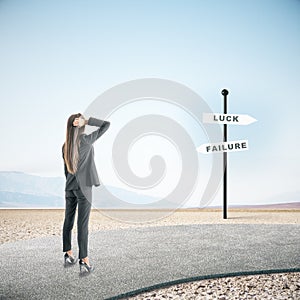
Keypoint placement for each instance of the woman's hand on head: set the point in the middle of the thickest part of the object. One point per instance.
(76, 122)
(81, 121)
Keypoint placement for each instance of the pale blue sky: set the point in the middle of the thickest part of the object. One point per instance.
(56, 57)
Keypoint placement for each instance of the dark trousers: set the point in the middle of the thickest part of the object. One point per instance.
(72, 198)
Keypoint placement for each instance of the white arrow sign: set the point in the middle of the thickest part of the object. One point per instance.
(227, 119)
(232, 146)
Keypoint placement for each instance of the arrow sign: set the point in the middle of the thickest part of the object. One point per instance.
(233, 119)
(232, 146)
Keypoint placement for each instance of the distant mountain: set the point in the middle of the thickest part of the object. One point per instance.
(279, 206)
(20, 200)
(285, 198)
(290, 205)
(20, 182)
(124, 199)
(18, 189)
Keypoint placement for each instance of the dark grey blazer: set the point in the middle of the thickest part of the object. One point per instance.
(86, 174)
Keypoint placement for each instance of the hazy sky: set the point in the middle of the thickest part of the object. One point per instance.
(56, 57)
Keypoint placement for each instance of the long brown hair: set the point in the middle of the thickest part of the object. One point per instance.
(72, 143)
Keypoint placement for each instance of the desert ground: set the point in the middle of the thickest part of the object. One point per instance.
(20, 224)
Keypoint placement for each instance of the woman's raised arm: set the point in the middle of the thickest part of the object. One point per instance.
(103, 126)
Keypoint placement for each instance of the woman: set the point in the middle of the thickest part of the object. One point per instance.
(81, 175)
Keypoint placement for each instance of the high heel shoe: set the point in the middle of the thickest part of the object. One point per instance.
(85, 269)
(69, 260)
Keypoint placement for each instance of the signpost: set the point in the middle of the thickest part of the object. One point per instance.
(225, 93)
(225, 146)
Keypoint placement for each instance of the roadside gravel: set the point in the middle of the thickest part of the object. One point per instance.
(266, 286)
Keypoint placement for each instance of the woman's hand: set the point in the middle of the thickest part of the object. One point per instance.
(81, 121)
(76, 122)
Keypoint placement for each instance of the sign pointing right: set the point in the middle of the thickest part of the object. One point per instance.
(233, 119)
